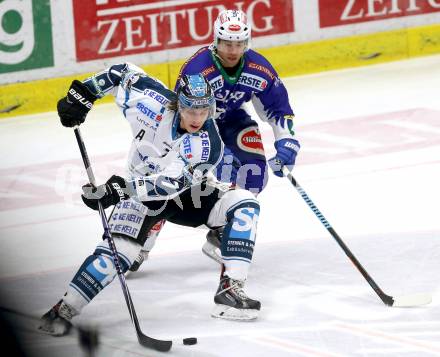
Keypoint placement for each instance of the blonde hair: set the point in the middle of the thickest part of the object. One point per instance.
(173, 105)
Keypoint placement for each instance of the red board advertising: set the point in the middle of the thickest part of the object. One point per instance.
(109, 28)
(343, 12)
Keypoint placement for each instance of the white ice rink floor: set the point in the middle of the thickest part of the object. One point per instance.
(370, 160)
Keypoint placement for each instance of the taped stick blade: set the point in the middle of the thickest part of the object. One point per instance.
(412, 300)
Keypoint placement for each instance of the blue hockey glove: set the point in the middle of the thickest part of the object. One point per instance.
(287, 149)
(109, 194)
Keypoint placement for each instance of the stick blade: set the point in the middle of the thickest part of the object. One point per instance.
(412, 300)
(158, 345)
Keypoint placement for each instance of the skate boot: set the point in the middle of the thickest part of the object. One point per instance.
(143, 255)
(212, 245)
(56, 321)
(232, 303)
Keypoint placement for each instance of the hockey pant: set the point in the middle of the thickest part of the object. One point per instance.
(237, 210)
(242, 137)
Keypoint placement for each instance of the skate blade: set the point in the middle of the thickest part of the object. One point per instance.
(231, 313)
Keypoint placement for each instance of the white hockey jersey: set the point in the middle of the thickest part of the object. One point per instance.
(163, 161)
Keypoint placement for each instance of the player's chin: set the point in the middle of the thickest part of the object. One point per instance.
(233, 61)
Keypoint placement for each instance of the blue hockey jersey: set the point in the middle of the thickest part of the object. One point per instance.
(256, 81)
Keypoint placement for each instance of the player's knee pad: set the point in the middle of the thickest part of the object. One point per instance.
(217, 216)
(238, 211)
(127, 248)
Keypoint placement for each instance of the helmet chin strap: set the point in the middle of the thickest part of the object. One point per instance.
(217, 55)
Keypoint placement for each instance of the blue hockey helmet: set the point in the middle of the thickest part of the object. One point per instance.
(195, 92)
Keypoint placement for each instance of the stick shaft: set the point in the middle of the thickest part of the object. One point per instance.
(388, 300)
(143, 339)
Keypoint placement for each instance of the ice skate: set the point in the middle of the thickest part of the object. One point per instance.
(232, 303)
(142, 256)
(56, 321)
(212, 245)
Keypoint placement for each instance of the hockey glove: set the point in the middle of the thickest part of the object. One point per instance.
(109, 194)
(73, 108)
(287, 149)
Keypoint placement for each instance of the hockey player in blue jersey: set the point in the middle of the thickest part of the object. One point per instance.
(239, 75)
(175, 147)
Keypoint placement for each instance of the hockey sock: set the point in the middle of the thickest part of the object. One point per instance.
(238, 239)
(95, 274)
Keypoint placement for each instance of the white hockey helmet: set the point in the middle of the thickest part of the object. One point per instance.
(232, 25)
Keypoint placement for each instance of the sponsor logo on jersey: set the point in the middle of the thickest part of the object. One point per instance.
(156, 96)
(208, 70)
(148, 112)
(147, 124)
(261, 68)
(206, 146)
(253, 81)
(249, 140)
(187, 147)
(216, 83)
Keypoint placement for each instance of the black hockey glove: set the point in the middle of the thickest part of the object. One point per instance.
(109, 194)
(73, 108)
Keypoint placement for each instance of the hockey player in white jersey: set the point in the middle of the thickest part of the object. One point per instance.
(175, 147)
(240, 75)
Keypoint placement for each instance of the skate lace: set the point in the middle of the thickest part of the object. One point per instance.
(66, 312)
(140, 258)
(236, 286)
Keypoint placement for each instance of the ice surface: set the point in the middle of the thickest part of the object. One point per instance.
(370, 161)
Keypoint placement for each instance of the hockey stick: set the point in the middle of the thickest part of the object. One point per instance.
(144, 340)
(402, 301)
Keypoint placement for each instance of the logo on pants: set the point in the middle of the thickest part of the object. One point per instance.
(249, 140)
